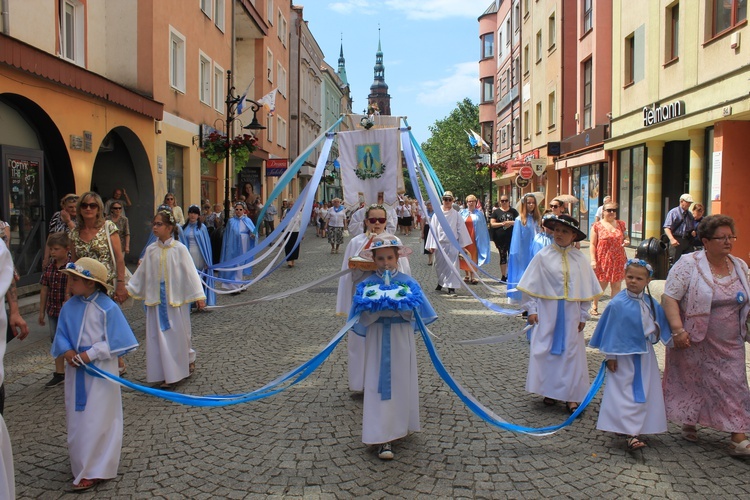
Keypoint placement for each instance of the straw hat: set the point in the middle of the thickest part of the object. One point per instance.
(449, 194)
(88, 269)
(549, 221)
(385, 240)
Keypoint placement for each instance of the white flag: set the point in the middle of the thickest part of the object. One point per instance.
(269, 101)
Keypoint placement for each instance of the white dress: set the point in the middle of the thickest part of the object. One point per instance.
(7, 477)
(447, 269)
(347, 286)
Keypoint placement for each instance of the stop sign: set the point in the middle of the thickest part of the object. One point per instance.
(526, 172)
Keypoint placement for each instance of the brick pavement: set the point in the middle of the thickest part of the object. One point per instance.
(306, 443)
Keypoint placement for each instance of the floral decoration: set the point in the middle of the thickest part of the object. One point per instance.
(365, 174)
(216, 147)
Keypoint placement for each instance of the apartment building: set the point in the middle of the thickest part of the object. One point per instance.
(680, 109)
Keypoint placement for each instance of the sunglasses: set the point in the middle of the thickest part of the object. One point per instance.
(169, 199)
(504, 201)
(116, 208)
(89, 205)
(447, 199)
(554, 206)
(610, 210)
(373, 220)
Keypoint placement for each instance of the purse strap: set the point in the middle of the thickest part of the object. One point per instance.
(111, 251)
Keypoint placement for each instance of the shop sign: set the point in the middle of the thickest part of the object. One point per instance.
(526, 172)
(521, 182)
(76, 142)
(657, 114)
(276, 167)
(539, 166)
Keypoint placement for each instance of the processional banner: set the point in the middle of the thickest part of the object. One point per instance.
(370, 162)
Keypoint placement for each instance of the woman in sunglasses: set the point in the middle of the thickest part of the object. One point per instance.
(375, 223)
(179, 217)
(609, 237)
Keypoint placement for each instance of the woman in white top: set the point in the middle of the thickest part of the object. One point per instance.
(322, 213)
(336, 224)
(179, 217)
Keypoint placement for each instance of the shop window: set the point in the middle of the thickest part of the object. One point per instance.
(727, 14)
(177, 60)
(175, 162)
(72, 25)
(209, 181)
(632, 187)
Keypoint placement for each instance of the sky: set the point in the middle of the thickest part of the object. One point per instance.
(430, 51)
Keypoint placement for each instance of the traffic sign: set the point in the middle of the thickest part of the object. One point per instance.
(539, 166)
(526, 172)
(522, 183)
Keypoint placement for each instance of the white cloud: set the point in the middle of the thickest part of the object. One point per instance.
(350, 6)
(463, 82)
(438, 9)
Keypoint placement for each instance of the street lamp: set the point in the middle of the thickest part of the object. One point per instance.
(232, 101)
(479, 156)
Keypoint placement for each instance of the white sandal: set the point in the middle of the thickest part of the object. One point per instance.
(741, 449)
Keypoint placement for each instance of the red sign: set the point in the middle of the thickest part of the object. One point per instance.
(276, 167)
(526, 172)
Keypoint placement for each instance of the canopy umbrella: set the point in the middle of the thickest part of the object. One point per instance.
(537, 194)
(566, 198)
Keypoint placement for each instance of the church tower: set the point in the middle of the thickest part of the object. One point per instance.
(342, 65)
(379, 89)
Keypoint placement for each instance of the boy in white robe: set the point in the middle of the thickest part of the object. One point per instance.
(7, 477)
(558, 287)
(91, 329)
(633, 401)
(446, 266)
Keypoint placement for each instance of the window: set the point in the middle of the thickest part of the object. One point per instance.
(218, 88)
(281, 132)
(538, 118)
(526, 126)
(269, 12)
(71, 31)
(672, 32)
(177, 60)
(488, 45)
(517, 16)
(629, 59)
(269, 65)
(175, 164)
(269, 128)
(516, 130)
(526, 57)
(551, 31)
(587, 81)
(488, 89)
(551, 110)
(508, 78)
(204, 79)
(727, 14)
(281, 28)
(517, 70)
(588, 15)
(281, 78)
(539, 46)
(206, 7)
(219, 9)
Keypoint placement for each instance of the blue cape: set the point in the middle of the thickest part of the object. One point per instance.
(481, 235)
(231, 247)
(204, 245)
(620, 331)
(417, 300)
(520, 255)
(541, 240)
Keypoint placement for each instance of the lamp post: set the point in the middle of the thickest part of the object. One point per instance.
(479, 156)
(232, 101)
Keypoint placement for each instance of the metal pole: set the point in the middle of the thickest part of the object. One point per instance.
(230, 117)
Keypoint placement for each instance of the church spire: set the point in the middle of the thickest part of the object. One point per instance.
(342, 64)
(379, 89)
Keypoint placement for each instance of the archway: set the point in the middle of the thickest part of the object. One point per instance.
(122, 163)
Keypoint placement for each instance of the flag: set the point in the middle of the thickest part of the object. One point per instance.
(478, 140)
(269, 101)
(241, 105)
(472, 140)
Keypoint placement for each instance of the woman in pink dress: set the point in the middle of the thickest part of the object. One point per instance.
(608, 240)
(706, 302)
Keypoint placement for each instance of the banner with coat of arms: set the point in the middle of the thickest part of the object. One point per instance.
(370, 163)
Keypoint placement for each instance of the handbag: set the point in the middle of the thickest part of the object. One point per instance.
(128, 303)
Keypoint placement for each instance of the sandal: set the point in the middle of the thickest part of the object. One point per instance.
(165, 386)
(474, 281)
(740, 449)
(191, 368)
(594, 311)
(636, 444)
(549, 402)
(466, 279)
(690, 433)
(572, 407)
(86, 484)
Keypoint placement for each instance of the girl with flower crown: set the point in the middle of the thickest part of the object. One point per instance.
(168, 283)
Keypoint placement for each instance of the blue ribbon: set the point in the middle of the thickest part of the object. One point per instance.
(81, 397)
(384, 379)
(638, 394)
(163, 311)
(558, 335)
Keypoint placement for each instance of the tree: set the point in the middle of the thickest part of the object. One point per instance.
(450, 153)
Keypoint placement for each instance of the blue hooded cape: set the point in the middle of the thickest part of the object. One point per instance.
(520, 254)
(231, 247)
(620, 331)
(204, 245)
(481, 235)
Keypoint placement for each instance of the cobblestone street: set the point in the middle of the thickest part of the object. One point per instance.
(305, 442)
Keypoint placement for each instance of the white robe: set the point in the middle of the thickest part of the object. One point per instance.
(168, 352)
(347, 287)
(7, 477)
(385, 421)
(447, 269)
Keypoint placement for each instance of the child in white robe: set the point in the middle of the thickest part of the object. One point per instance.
(375, 221)
(91, 329)
(386, 303)
(168, 283)
(558, 286)
(633, 401)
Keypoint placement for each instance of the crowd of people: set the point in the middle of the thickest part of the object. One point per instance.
(85, 284)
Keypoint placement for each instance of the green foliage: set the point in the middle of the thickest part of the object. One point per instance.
(450, 153)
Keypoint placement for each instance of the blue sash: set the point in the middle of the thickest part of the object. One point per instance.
(384, 379)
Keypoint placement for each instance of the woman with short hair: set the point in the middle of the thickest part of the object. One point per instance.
(609, 237)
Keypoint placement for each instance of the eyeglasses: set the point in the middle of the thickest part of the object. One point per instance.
(89, 205)
(158, 224)
(610, 210)
(503, 201)
(238, 209)
(373, 220)
(725, 239)
(169, 199)
(554, 206)
(447, 199)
